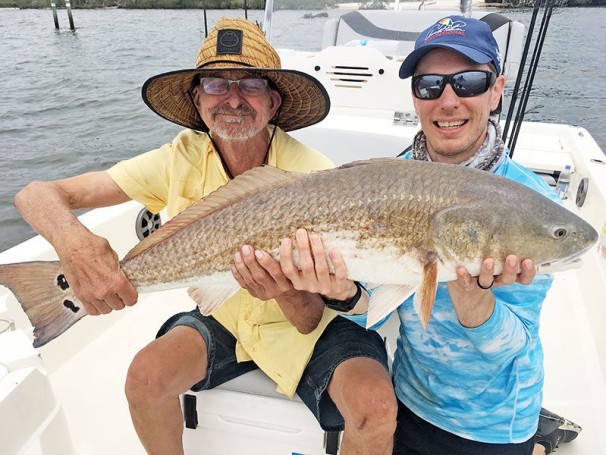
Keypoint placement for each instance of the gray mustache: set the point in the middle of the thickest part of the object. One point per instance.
(230, 111)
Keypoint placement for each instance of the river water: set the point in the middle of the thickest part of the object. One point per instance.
(70, 101)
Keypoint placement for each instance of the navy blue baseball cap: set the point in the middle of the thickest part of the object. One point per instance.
(469, 37)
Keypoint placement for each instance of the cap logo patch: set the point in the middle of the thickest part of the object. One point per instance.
(229, 41)
(445, 27)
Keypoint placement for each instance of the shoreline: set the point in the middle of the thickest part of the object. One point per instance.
(404, 5)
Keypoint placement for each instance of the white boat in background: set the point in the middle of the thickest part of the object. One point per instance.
(67, 396)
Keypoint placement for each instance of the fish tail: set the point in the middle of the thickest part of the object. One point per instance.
(45, 296)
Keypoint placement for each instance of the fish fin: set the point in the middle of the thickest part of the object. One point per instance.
(369, 161)
(254, 181)
(426, 294)
(210, 297)
(386, 298)
(45, 296)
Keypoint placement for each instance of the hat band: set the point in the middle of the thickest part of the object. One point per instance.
(225, 61)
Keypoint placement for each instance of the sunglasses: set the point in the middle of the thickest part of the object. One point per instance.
(465, 84)
(220, 86)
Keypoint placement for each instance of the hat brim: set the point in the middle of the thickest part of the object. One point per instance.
(304, 99)
(410, 63)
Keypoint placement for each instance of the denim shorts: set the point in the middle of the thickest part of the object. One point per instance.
(341, 340)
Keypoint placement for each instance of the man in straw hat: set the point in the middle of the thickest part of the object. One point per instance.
(228, 104)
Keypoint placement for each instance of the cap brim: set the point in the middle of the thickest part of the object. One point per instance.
(304, 99)
(410, 63)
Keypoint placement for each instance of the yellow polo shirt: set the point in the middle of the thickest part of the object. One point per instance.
(178, 174)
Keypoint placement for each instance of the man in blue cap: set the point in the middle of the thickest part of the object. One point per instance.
(471, 382)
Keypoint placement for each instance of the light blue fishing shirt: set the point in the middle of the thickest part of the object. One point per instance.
(484, 383)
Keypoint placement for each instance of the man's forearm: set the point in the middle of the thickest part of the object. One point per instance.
(302, 309)
(47, 211)
(474, 307)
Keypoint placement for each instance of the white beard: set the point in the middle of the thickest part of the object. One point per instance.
(238, 134)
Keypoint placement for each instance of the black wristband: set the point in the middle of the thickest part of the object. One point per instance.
(344, 306)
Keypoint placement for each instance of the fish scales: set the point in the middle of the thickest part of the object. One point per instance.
(401, 224)
(377, 209)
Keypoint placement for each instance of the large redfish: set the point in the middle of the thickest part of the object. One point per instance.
(398, 223)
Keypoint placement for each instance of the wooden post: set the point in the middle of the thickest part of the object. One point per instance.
(205, 24)
(54, 8)
(68, 6)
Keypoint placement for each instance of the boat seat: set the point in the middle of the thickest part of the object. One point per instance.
(395, 32)
(257, 383)
(240, 404)
(237, 403)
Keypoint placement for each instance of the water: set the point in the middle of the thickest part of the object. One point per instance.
(71, 102)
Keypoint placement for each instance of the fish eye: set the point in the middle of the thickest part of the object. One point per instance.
(558, 233)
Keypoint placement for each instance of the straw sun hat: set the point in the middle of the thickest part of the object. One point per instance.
(237, 44)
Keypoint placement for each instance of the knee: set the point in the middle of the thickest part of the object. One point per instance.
(383, 410)
(375, 410)
(145, 378)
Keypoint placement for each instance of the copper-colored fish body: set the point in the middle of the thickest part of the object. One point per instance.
(399, 223)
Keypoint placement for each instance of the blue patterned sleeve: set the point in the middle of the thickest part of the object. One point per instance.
(513, 325)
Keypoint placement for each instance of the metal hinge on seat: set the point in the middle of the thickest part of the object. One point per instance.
(331, 442)
(190, 414)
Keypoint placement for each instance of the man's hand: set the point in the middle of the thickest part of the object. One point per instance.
(92, 269)
(265, 278)
(514, 271)
(260, 274)
(472, 297)
(90, 265)
(296, 291)
(315, 274)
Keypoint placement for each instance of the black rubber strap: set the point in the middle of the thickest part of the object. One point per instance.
(344, 306)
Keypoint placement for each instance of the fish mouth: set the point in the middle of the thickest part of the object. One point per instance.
(569, 263)
(557, 266)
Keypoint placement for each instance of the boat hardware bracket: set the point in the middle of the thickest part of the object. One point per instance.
(146, 223)
(582, 192)
(190, 413)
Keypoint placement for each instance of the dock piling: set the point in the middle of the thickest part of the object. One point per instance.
(68, 6)
(54, 8)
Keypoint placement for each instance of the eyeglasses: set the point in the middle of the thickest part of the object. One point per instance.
(465, 84)
(220, 86)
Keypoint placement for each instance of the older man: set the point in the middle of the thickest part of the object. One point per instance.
(236, 104)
